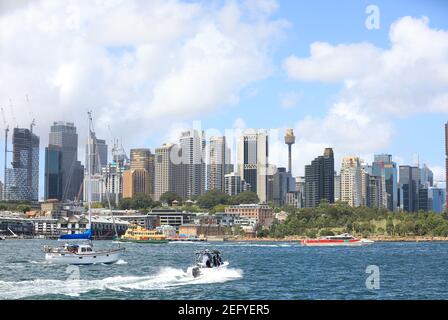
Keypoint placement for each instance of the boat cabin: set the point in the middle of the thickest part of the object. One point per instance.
(79, 249)
(208, 259)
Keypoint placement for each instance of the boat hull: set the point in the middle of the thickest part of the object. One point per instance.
(106, 257)
(197, 271)
(336, 243)
(144, 241)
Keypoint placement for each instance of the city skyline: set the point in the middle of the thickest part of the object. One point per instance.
(286, 78)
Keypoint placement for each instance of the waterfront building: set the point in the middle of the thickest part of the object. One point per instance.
(253, 161)
(169, 217)
(351, 181)
(192, 149)
(63, 172)
(409, 184)
(384, 166)
(261, 212)
(22, 179)
(219, 163)
(319, 179)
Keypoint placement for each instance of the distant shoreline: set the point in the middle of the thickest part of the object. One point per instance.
(374, 238)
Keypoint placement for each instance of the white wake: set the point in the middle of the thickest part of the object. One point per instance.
(165, 279)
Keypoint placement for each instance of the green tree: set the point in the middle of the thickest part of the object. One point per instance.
(23, 208)
(141, 201)
(3, 207)
(125, 203)
(244, 198)
(212, 198)
(390, 228)
(169, 197)
(218, 208)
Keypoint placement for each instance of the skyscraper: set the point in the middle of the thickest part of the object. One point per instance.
(283, 183)
(384, 166)
(98, 154)
(409, 185)
(233, 184)
(253, 161)
(139, 178)
(22, 179)
(168, 172)
(192, 147)
(319, 179)
(219, 163)
(426, 176)
(351, 181)
(63, 151)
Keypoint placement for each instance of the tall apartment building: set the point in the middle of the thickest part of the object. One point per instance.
(219, 163)
(169, 173)
(351, 181)
(192, 148)
(22, 179)
(63, 172)
(319, 179)
(252, 163)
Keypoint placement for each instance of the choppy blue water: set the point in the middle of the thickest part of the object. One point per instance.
(256, 271)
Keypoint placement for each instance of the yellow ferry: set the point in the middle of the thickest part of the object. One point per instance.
(135, 233)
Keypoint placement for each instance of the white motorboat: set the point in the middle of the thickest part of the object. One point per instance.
(206, 262)
(84, 253)
(81, 254)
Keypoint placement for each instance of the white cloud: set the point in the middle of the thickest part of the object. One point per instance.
(140, 65)
(409, 77)
(289, 100)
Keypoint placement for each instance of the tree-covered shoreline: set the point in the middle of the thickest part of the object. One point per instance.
(329, 219)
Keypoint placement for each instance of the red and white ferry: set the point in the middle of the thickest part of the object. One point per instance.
(344, 239)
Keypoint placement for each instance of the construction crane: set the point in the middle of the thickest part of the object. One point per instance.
(14, 121)
(33, 122)
(6, 153)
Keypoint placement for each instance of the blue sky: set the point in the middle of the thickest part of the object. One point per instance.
(142, 73)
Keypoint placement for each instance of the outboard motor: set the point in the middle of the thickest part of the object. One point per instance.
(196, 272)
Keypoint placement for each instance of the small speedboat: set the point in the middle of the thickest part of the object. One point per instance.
(207, 261)
(344, 239)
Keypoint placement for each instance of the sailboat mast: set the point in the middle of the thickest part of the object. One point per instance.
(89, 188)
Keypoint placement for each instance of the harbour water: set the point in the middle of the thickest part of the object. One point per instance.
(279, 270)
